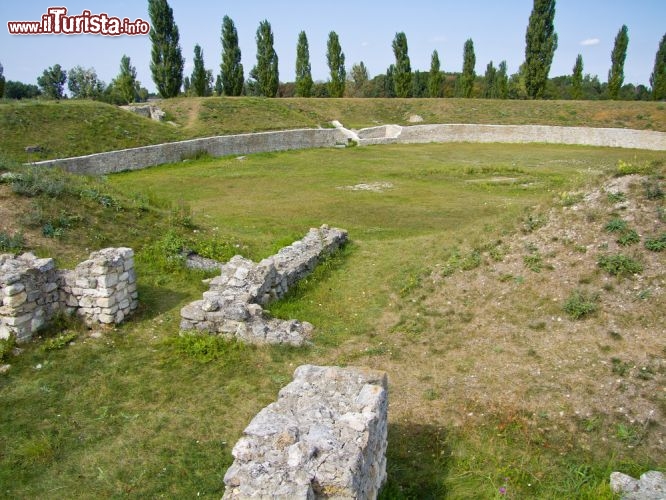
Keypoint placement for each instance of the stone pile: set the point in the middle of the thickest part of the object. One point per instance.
(101, 289)
(325, 437)
(232, 305)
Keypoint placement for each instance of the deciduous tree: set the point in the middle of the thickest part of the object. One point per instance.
(303, 67)
(618, 56)
(231, 69)
(52, 82)
(83, 83)
(435, 79)
(502, 81)
(358, 84)
(658, 77)
(167, 61)
(540, 46)
(402, 77)
(336, 65)
(266, 70)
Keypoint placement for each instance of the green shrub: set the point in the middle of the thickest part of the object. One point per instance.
(471, 261)
(619, 265)
(12, 244)
(533, 222)
(34, 181)
(656, 244)
(581, 304)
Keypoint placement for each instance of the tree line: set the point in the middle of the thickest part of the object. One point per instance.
(167, 62)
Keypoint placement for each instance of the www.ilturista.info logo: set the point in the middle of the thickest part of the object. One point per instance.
(57, 22)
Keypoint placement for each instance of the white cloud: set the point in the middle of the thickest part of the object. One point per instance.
(439, 39)
(590, 41)
(365, 44)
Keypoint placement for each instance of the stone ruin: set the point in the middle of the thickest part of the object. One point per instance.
(233, 304)
(324, 437)
(101, 289)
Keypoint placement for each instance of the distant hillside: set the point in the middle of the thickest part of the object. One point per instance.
(70, 128)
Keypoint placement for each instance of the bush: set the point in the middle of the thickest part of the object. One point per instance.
(59, 341)
(619, 265)
(581, 304)
(656, 244)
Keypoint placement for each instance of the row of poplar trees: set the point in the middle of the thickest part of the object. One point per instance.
(167, 63)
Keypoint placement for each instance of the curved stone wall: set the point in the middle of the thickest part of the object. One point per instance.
(138, 158)
(584, 136)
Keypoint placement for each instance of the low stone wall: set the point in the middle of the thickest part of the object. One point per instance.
(585, 136)
(101, 289)
(232, 305)
(324, 437)
(138, 158)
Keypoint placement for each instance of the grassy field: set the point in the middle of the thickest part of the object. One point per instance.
(70, 128)
(454, 282)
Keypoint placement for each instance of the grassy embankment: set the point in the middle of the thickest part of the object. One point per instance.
(420, 292)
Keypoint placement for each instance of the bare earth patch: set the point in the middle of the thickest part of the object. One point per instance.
(375, 187)
(496, 340)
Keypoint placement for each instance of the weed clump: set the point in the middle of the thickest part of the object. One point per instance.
(656, 244)
(581, 304)
(619, 265)
(12, 244)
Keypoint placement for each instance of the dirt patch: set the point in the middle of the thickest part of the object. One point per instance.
(375, 187)
(497, 340)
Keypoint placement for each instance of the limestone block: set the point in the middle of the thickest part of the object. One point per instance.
(650, 486)
(14, 289)
(105, 318)
(108, 280)
(316, 440)
(15, 300)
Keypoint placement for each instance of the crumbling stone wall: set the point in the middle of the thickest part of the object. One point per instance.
(101, 289)
(232, 305)
(324, 437)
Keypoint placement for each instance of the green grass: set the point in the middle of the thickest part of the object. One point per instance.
(142, 412)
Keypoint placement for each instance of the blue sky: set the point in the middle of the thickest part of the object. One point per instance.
(366, 30)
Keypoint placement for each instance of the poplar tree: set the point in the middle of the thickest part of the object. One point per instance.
(435, 79)
(577, 78)
(403, 71)
(266, 70)
(619, 54)
(336, 64)
(199, 79)
(231, 69)
(540, 46)
(658, 76)
(303, 69)
(167, 61)
(466, 79)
